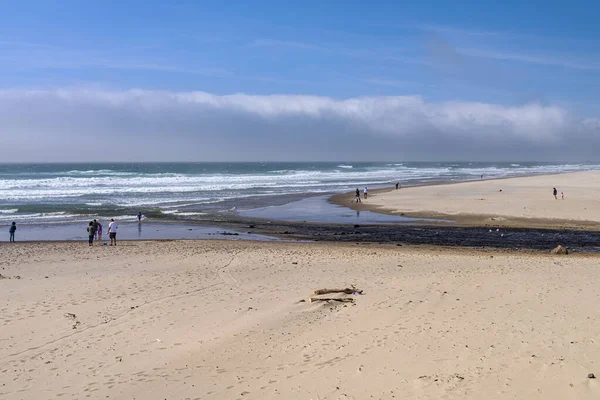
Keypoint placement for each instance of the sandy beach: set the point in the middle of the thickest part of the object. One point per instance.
(224, 320)
(524, 201)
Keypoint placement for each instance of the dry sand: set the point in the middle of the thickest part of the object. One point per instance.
(221, 320)
(526, 201)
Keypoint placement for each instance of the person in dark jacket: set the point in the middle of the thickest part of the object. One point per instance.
(91, 229)
(12, 231)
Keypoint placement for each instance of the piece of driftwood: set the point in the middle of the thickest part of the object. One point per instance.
(346, 290)
(340, 299)
(562, 250)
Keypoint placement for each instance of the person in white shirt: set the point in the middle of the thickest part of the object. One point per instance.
(366, 192)
(112, 231)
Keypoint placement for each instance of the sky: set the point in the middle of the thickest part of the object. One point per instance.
(295, 81)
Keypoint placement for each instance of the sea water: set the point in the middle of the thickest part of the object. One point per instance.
(57, 193)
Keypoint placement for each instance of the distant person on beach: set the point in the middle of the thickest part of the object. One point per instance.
(562, 195)
(357, 195)
(112, 231)
(397, 184)
(12, 230)
(366, 192)
(482, 177)
(91, 229)
(555, 193)
(99, 231)
(139, 216)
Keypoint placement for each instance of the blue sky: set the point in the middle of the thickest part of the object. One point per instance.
(505, 54)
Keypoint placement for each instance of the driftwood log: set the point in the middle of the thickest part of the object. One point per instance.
(346, 291)
(340, 299)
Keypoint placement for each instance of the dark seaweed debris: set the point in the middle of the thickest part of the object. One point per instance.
(474, 237)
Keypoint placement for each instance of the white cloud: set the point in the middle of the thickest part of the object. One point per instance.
(199, 125)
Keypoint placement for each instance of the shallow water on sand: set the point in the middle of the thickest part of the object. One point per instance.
(130, 231)
(318, 209)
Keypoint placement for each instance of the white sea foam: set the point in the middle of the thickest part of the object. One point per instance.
(101, 186)
(38, 216)
(190, 214)
(170, 212)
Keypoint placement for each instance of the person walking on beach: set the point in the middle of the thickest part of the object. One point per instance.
(12, 230)
(99, 231)
(555, 193)
(397, 184)
(562, 195)
(112, 231)
(366, 192)
(357, 195)
(139, 216)
(91, 233)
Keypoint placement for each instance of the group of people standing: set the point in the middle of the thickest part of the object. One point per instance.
(94, 230)
(366, 193)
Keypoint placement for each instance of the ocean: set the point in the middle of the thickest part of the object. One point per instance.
(57, 193)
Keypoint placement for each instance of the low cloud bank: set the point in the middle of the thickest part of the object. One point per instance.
(96, 125)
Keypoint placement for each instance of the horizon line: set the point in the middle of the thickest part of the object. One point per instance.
(296, 162)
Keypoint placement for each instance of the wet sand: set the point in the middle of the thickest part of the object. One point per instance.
(223, 320)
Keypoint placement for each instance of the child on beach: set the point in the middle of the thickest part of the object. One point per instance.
(562, 195)
(99, 231)
(366, 192)
(12, 230)
(357, 195)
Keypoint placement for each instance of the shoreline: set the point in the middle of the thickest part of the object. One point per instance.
(264, 184)
(335, 198)
(463, 230)
(466, 219)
